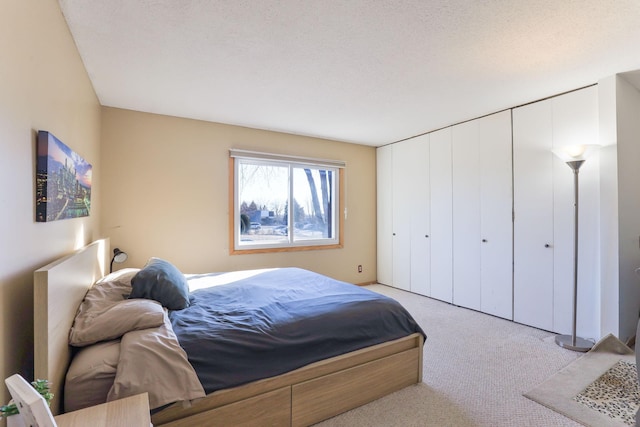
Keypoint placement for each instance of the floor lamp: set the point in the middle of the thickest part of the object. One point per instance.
(575, 156)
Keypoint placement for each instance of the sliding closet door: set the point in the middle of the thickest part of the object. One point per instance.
(496, 210)
(466, 215)
(403, 215)
(385, 215)
(544, 209)
(482, 215)
(418, 166)
(441, 213)
(533, 207)
(402, 193)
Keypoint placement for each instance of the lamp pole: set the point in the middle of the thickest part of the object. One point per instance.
(573, 342)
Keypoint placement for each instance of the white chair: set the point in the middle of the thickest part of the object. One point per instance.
(34, 411)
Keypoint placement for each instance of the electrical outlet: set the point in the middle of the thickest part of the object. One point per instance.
(360, 269)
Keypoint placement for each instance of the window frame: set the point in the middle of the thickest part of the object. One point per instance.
(289, 161)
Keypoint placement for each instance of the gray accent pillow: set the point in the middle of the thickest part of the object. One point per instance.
(161, 281)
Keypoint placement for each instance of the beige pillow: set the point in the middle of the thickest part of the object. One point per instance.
(95, 323)
(114, 286)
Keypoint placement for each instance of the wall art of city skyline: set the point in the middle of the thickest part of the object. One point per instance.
(63, 180)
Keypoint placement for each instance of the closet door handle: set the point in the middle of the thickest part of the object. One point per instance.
(484, 240)
(546, 245)
(426, 235)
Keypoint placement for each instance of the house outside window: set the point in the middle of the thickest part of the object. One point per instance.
(285, 203)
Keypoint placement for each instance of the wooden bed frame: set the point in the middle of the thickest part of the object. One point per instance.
(301, 397)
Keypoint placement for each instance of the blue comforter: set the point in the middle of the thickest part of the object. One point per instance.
(273, 321)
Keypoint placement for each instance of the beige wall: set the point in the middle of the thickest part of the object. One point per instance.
(43, 86)
(166, 191)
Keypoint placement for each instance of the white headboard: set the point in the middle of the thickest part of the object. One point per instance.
(59, 288)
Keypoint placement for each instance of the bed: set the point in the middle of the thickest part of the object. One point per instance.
(304, 395)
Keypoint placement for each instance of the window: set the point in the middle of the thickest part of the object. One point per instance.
(285, 203)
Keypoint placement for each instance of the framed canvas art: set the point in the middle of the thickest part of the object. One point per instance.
(63, 181)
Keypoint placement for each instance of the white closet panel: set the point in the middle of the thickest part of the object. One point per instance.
(496, 210)
(401, 193)
(385, 215)
(466, 214)
(482, 215)
(441, 213)
(544, 214)
(403, 215)
(418, 166)
(533, 208)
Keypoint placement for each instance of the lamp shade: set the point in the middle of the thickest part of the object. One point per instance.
(119, 256)
(574, 153)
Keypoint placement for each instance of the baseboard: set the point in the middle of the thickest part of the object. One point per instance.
(366, 283)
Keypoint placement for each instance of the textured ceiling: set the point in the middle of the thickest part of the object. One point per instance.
(362, 71)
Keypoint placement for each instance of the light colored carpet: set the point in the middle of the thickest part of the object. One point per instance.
(476, 369)
(559, 391)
